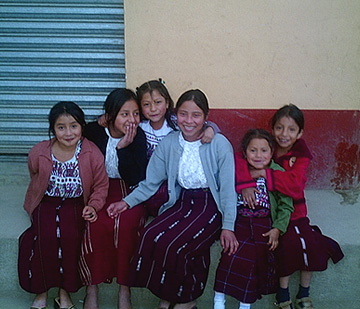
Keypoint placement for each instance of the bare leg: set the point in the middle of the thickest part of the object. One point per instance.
(40, 300)
(164, 304)
(91, 298)
(284, 282)
(65, 299)
(124, 297)
(305, 278)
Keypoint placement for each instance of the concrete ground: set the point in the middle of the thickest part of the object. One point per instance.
(337, 287)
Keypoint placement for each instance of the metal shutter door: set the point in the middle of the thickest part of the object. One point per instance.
(50, 51)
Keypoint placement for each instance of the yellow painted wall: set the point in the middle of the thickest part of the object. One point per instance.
(248, 53)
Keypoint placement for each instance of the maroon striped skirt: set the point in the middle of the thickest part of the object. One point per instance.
(153, 204)
(251, 271)
(109, 244)
(173, 256)
(49, 249)
(304, 247)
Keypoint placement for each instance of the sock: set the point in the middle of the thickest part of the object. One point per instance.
(244, 306)
(282, 295)
(219, 300)
(303, 292)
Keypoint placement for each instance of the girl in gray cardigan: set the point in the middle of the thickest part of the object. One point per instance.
(173, 256)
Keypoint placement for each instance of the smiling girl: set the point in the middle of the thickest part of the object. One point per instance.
(109, 244)
(159, 119)
(250, 272)
(68, 184)
(303, 247)
(173, 256)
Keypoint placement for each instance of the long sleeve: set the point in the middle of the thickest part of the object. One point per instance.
(284, 208)
(226, 184)
(133, 160)
(39, 165)
(243, 178)
(156, 171)
(290, 182)
(213, 125)
(93, 174)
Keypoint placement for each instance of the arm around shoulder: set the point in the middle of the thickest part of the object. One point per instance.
(214, 126)
(291, 182)
(243, 178)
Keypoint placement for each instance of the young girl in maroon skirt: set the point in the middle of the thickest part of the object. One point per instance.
(158, 120)
(251, 271)
(109, 244)
(173, 256)
(68, 184)
(303, 247)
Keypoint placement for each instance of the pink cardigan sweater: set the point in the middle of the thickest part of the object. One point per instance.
(92, 171)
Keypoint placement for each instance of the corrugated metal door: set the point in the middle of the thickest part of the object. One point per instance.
(50, 51)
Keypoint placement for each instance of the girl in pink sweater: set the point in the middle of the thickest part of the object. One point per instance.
(68, 185)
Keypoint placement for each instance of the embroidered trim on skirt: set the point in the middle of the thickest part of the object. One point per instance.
(109, 244)
(173, 256)
(304, 247)
(49, 249)
(251, 271)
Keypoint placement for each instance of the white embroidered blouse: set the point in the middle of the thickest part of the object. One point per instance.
(191, 173)
(111, 158)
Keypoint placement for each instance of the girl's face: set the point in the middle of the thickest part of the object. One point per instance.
(258, 153)
(286, 133)
(190, 118)
(127, 115)
(153, 107)
(67, 131)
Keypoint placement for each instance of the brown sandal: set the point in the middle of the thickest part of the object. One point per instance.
(304, 302)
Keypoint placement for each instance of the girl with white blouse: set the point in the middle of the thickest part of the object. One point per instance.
(173, 256)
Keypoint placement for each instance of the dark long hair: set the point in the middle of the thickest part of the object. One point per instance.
(291, 111)
(115, 100)
(257, 133)
(198, 97)
(65, 108)
(158, 85)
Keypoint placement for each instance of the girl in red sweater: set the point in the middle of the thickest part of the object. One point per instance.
(302, 248)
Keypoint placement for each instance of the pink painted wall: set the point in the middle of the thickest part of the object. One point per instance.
(333, 136)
